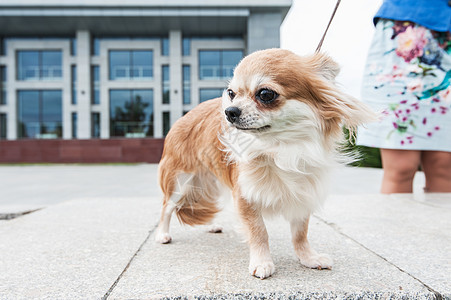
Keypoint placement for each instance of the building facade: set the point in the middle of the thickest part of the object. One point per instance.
(101, 69)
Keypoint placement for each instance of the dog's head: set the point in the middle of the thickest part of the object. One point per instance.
(274, 92)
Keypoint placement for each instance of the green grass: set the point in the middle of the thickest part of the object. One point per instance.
(369, 157)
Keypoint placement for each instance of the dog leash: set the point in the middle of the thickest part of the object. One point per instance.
(327, 28)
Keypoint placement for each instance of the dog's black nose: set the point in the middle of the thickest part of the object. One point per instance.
(233, 114)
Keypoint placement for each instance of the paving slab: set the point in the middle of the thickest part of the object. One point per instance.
(74, 250)
(28, 187)
(198, 264)
(413, 234)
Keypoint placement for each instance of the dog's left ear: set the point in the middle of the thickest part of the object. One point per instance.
(324, 65)
(336, 107)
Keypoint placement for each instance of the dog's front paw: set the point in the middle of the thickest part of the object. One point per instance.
(317, 261)
(163, 238)
(262, 269)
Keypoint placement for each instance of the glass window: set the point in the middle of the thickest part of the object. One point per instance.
(2, 46)
(28, 65)
(2, 85)
(218, 64)
(39, 65)
(95, 125)
(2, 126)
(186, 84)
(74, 84)
(207, 94)
(95, 47)
(166, 123)
(40, 114)
(119, 65)
(166, 84)
(73, 46)
(95, 85)
(229, 60)
(165, 46)
(142, 64)
(186, 46)
(51, 62)
(74, 125)
(129, 65)
(209, 64)
(131, 113)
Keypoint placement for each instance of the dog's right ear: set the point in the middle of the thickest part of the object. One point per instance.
(324, 65)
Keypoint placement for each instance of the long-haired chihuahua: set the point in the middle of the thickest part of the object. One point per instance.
(272, 139)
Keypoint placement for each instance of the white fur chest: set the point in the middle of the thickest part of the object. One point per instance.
(293, 194)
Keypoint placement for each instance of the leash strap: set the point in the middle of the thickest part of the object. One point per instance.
(327, 28)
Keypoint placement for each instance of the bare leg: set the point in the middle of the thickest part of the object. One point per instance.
(162, 235)
(400, 167)
(307, 256)
(261, 264)
(437, 169)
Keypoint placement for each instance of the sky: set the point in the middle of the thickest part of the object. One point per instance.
(347, 41)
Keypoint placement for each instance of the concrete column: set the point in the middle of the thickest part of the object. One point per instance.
(263, 31)
(84, 84)
(175, 75)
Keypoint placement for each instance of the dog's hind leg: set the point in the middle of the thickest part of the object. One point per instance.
(307, 256)
(162, 235)
(171, 200)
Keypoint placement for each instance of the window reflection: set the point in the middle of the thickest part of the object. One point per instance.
(218, 64)
(95, 125)
(2, 85)
(95, 85)
(165, 46)
(207, 94)
(166, 84)
(186, 84)
(186, 46)
(166, 122)
(39, 65)
(74, 125)
(131, 65)
(40, 114)
(131, 113)
(74, 83)
(2, 126)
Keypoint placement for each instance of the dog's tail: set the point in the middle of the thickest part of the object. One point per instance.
(200, 212)
(195, 197)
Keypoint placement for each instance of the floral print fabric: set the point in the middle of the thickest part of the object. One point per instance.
(407, 79)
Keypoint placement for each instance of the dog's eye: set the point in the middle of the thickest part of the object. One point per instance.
(231, 94)
(266, 96)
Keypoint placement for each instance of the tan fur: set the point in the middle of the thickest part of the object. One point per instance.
(302, 78)
(196, 151)
(190, 149)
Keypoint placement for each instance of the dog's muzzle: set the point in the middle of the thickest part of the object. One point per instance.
(233, 114)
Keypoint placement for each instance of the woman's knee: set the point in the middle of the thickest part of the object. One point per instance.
(400, 165)
(437, 163)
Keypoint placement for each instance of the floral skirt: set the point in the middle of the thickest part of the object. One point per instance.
(407, 79)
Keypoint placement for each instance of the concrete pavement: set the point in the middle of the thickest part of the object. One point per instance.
(93, 238)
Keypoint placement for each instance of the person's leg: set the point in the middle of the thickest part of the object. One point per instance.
(400, 167)
(437, 170)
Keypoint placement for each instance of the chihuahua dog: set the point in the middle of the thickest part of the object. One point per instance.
(272, 139)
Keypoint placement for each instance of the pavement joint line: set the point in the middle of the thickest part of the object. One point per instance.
(437, 295)
(393, 197)
(10, 216)
(110, 290)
